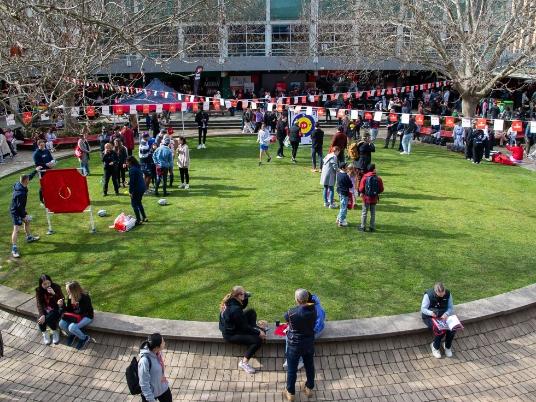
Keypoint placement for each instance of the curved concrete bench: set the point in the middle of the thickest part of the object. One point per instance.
(363, 328)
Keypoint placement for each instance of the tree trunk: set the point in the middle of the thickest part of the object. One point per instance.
(71, 125)
(469, 104)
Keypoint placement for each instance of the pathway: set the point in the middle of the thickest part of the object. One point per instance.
(494, 360)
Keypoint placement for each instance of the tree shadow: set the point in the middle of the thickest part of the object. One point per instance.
(419, 232)
(211, 190)
(420, 196)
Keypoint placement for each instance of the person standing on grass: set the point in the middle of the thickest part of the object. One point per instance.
(281, 131)
(409, 131)
(239, 326)
(365, 149)
(47, 295)
(327, 178)
(295, 138)
(478, 146)
(469, 137)
(151, 370)
(19, 216)
(300, 343)
(122, 155)
(437, 303)
(84, 149)
(317, 142)
(344, 186)
(183, 162)
(340, 141)
(370, 188)
(263, 138)
(163, 159)
(77, 313)
(136, 189)
(201, 118)
(146, 159)
(128, 136)
(110, 163)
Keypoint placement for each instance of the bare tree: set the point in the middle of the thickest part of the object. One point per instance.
(473, 43)
(45, 44)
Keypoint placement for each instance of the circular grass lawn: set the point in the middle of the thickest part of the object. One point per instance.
(440, 218)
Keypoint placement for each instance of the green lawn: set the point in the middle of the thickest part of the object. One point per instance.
(441, 218)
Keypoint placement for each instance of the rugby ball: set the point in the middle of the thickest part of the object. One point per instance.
(101, 213)
(162, 201)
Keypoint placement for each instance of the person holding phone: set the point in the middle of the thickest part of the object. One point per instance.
(77, 313)
(239, 326)
(47, 295)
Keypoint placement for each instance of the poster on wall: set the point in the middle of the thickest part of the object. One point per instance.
(306, 122)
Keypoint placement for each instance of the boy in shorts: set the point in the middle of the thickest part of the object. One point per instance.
(18, 212)
(263, 138)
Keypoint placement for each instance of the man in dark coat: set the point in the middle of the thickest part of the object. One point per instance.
(201, 118)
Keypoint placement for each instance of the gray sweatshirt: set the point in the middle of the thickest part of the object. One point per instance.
(151, 382)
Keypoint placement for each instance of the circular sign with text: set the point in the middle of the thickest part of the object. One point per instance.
(305, 122)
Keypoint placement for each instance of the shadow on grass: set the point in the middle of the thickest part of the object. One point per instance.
(419, 232)
(210, 190)
(419, 196)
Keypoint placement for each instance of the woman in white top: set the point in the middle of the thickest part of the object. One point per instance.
(183, 162)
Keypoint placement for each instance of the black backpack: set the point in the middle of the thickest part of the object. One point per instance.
(131, 374)
(372, 186)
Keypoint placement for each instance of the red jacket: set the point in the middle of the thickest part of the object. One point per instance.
(517, 152)
(128, 135)
(370, 199)
(339, 140)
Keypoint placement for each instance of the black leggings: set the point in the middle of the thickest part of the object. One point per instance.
(295, 145)
(281, 146)
(184, 175)
(165, 397)
(51, 320)
(122, 174)
(253, 342)
(110, 173)
(135, 201)
(202, 134)
(164, 174)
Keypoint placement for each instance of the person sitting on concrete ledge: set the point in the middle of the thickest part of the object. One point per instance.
(47, 295)
(437, 303)
(77, 313)
(239, 326)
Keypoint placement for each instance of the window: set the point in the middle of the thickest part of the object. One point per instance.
(289, 39)
(201, 41)
(246, 40)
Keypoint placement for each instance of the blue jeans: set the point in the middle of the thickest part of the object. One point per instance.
(317, 334)
(406, 142)
(373, 134)
(84, 164)
(294, 353)
(314, 153)
(75, 329)
(344, 207)
(328, 194)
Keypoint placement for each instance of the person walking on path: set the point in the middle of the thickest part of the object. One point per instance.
(84, 149)
(136, 189)
(151, 370)
(295, 138)
(263, 138)
(327, 178)
(370, 188)
(19, 216)
(281, 132)
(344, 185)
(201, 118)
(183, 162)
(239, 326)
(47, 295)
(163, 159)
(437, 303)
(77, 313)
(340, 141)
(317, 142)
(110, 163)
(300, 343)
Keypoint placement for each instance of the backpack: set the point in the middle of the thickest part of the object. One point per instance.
(131, 375)
(372, 187)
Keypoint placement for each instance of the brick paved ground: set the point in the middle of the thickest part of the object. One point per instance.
(493, 360)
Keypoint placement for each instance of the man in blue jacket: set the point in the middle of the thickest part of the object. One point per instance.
(163, 159)
(18, 212)
(300, 343)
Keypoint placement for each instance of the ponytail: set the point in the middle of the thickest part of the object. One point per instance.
(234, 292)
(153, 341)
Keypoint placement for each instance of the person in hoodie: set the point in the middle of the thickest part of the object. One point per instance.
(239, 326)
(300, 343)
(110, 162)
(146, 159)
(344, 186)
(136, 189)
(151, 370)
(370, 188)
(19, 216)
(163, 159)
(328, 176)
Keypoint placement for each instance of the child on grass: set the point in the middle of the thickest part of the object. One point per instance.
(344, 186)
(263, 138)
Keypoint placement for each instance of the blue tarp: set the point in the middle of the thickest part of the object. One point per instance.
(150, 98)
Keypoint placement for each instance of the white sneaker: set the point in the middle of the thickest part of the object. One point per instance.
(204, 146)
(343, 223)
(199, 146)
(46, 338)
(279, 157)
(448, 352)
(333, 206)
(246, 367)
(56, 337)
(326, 204)
(285, 365)
(435, 352)
(181, 186)
(186, 186)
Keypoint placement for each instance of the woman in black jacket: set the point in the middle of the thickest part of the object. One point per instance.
(47, 295)
(239, 326)
(110, 163)
(122, 155)
(77, 313)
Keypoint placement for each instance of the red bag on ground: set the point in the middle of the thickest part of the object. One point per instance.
(502, 159)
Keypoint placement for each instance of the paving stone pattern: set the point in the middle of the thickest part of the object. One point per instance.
(493, 360)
